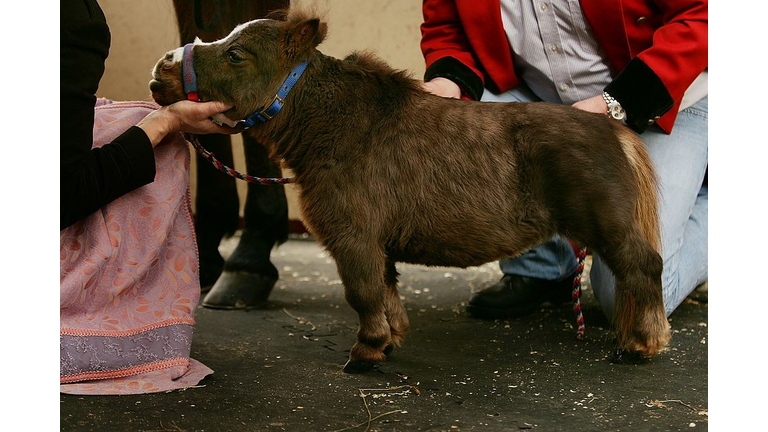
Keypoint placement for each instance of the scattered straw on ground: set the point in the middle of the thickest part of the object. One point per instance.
(377, 393)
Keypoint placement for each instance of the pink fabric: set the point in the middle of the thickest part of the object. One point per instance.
(162, 380)
(129, 278)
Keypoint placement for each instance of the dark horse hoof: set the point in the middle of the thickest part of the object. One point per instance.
(624, 356)
(239, 290)
(353, 367)
(209, 274)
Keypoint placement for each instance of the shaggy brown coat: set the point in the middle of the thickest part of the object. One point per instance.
(388, 173)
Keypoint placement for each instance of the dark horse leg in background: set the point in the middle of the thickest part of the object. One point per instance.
(248, 276)
(218, 212)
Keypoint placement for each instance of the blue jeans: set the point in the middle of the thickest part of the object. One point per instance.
(680, 160)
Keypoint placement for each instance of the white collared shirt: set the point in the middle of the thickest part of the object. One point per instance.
(564, 64)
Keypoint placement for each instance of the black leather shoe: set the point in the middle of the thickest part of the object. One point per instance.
(515, 296)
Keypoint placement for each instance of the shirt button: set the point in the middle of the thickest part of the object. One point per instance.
(543, 6)
(553, 48)
(641, 20)
(564, 87)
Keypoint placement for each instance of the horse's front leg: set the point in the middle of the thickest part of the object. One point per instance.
(362, 271)
(397, 317)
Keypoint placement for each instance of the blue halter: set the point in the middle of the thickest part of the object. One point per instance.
(188, 75)
(277, 103)
(269, 111)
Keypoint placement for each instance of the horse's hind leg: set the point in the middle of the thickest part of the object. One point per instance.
(396, 315)
(249, 275)
(638, 317)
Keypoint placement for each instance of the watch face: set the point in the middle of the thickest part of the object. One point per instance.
(617, 111)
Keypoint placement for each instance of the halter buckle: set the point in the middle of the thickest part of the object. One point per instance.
(271, 105)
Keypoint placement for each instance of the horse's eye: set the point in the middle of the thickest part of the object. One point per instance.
(234, 56)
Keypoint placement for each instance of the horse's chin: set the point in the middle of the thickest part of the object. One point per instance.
(161, 100)
(162, 94)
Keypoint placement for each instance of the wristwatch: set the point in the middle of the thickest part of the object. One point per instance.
(614, 107)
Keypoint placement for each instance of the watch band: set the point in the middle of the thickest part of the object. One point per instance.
(615, 110)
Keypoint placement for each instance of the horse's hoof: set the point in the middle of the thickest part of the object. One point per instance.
(353, 366)
(239, 290)
(208, 276)
(388, 349)
(625, 356)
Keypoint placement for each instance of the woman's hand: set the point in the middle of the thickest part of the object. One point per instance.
(184, 116)
(442, 87)
(594, 104)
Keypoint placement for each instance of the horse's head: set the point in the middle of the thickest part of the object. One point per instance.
(245, 69)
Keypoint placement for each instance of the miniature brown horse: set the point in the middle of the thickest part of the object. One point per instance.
(389, 173)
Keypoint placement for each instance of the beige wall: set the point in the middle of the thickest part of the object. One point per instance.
(143, 30)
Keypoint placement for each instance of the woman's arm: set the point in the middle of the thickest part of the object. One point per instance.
(91, 178)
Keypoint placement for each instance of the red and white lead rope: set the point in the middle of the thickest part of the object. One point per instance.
(576, 295)
(232, 172)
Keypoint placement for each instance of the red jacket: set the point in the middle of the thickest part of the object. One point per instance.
(656, 48)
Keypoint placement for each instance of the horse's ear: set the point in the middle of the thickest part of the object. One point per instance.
(302, 36)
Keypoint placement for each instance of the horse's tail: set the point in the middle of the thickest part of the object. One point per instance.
(646, 208)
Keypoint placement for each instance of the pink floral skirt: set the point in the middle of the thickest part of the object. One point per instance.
(129, 278)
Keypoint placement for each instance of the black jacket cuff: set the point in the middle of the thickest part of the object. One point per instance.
(642, 95)
(458, 72)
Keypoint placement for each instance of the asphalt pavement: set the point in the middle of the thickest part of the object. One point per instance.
(279, 368)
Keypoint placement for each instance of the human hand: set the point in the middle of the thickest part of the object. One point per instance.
(442, 87)
(594, 104)
(184, 116)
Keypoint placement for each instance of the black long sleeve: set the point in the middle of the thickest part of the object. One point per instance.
(91, 178)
